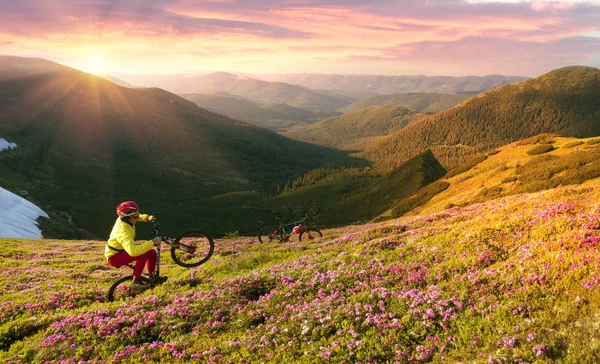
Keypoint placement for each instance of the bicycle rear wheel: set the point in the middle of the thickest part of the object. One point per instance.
(121, 289)
(192, 248)
(311, 235)
(269, 234)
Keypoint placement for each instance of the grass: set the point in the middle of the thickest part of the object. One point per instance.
(515, 170)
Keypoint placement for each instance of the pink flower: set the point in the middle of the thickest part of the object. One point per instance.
(540, 350)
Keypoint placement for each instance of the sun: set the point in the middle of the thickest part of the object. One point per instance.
(96, 64)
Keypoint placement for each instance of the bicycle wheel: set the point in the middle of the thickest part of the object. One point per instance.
(192, 248)
(120, 290)
(269, 234)
(311, 235)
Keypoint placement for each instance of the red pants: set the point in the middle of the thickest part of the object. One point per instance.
(148, 259)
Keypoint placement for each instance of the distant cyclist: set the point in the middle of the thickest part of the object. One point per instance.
(121, 248)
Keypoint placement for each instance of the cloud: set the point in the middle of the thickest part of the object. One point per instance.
(478, 54)
(34, 18)
(306, 35)
(552, 6)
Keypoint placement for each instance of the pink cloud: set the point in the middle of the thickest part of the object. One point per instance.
(282, 36)
(551, 6)
(477, 55)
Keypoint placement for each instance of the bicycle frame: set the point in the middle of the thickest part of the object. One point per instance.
(286, 235)
(167, 240)
(281, 228)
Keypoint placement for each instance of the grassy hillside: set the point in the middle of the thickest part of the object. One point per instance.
(509, 280)
(84, 144)
(563, 101)
(351, 131)
(535, 164)
(424, 102)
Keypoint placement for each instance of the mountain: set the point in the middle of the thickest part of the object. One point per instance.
(393, 84)
(249, 88)
(85, 144)
(351, 131)
(564, 101)
(252, 112)
(539, 163)
(117, 81)
(431, 103)
(350, 196)
(513, 279)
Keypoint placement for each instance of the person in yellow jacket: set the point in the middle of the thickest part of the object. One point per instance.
(121, 248)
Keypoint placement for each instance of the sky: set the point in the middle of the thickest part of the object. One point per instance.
(390, 37)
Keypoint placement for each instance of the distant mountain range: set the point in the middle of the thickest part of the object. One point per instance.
(321, 92)
(375, 84)
(248, 88)
(85, 144)
(276, 117)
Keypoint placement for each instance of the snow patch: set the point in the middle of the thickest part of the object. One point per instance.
(5, 144)
(17, 216)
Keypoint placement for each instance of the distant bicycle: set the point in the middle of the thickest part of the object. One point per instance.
(189, 249)
(301, 228)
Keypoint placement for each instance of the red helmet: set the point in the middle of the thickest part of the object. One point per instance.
(127, 208)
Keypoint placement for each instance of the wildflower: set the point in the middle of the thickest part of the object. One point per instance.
(508, 341)
(540, 350)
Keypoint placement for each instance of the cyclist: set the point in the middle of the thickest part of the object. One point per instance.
(121, 248)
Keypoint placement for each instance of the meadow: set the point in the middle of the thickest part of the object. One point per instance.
(511, 280)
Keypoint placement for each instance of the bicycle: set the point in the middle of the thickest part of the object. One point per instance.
(190, 249)
(301, 228)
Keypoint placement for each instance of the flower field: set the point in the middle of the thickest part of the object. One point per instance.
(511, 280)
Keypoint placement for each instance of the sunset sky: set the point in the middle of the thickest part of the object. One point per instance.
(402, 37)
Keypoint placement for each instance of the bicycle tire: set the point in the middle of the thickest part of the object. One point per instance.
(312, 235)
(202, 244)
(120, 289)
(268, 234)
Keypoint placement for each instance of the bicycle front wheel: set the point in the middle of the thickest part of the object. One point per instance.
(121, 289)
(269, 234)
(192, 248)
(311, 235)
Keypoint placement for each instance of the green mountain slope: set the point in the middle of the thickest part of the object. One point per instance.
(424, 102)
(564, 101)
(339, 199)
(85, 143)
(351, 131)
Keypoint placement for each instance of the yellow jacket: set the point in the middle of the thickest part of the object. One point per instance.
(122, 237)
